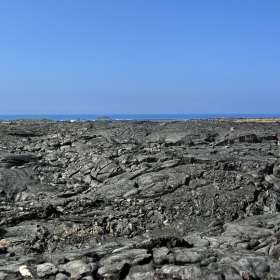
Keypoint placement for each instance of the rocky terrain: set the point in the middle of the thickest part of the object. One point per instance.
(194, 199)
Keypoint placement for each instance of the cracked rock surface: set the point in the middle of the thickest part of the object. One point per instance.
(194, 199)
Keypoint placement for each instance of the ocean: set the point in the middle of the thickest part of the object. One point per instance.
(73, 117)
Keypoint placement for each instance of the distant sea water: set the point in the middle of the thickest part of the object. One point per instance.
(74, 117)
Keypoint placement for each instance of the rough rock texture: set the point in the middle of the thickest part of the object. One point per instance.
(194, 199)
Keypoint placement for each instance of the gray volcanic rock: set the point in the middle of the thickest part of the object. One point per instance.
(194, 199)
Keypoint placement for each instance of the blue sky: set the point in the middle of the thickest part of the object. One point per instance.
(140, 56)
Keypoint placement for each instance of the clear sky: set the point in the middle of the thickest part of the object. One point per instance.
(139, 56)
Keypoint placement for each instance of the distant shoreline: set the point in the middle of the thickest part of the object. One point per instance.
(221, 119)
(135, 117)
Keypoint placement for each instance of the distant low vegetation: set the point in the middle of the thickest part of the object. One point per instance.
(102, 118)
(80, 120)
